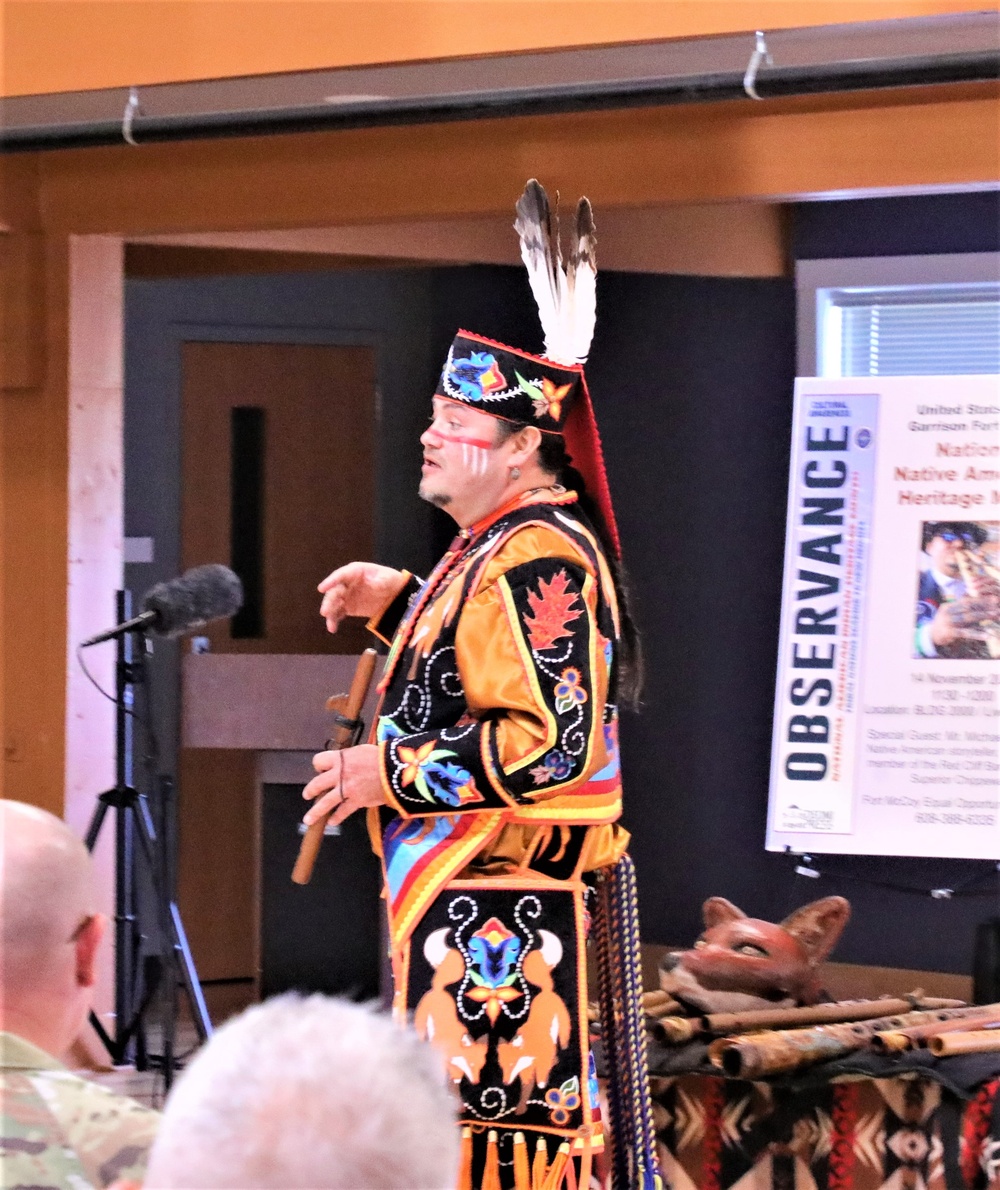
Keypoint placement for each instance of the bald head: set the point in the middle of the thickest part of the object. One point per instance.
(49, 931)
(46, 887)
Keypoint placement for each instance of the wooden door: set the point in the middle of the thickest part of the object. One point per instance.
(278, 465)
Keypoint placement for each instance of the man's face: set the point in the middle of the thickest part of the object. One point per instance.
(462, 465)
(943, 550)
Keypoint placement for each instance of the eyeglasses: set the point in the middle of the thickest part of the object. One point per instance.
(950, 535)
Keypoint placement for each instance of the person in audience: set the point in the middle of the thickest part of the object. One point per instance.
(56, 1129)
(309, 1094)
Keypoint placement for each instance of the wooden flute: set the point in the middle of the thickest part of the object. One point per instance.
(348, 708)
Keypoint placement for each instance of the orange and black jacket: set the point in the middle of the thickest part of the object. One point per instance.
(498, 723)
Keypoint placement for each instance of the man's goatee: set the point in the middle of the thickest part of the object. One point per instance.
(438, 499)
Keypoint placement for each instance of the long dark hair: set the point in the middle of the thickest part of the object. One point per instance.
(554, 460)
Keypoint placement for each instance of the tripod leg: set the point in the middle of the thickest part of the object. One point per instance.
(96, 821)
(113, 1047)
(102, 1033)
(185, 960)
(142, 995)
(172, 927)
(125, 926)
(165, 789)
(170, 1032)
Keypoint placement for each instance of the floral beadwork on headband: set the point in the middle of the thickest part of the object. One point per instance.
(477, 376)
(508, 383)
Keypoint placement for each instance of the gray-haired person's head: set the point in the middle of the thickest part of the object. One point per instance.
(309, 1094)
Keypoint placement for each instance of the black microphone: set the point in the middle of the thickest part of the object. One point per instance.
(204, 593)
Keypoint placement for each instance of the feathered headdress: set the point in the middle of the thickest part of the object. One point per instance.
(567, 307)
(548, 391)
(566, 296)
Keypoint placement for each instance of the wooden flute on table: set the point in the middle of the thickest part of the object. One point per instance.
(976, 1041)
(752, 1055)
(677, 1029)
(348, 708)
(979, 1016)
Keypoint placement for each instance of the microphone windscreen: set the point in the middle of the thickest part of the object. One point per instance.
(216, 591)
(201, 594)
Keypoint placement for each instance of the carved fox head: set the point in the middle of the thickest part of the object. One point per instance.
(740, 963)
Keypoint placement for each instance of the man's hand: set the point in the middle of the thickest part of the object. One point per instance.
(962, 619)
(348, 780)
(358, 589)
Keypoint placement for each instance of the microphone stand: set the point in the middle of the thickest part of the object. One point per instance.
(134, 824)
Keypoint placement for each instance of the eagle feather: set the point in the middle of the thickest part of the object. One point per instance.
(566, 296)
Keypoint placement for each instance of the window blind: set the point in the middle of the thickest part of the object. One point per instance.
(918, 330)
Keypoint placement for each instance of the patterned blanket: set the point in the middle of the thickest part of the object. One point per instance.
(908, 1132)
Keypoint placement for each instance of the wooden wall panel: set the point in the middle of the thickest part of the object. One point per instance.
(217, 861)
(942, 137)
(28, 702)
(66, 45)
(22, 310)
(19, 206)
(706, 240)
(22, 270)
(34, 543)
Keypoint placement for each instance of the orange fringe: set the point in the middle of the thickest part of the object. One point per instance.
(465, 1161)
(554, 1178)
(540, 1165)
(491, 1172)
(570, 1175)
(522, 1171)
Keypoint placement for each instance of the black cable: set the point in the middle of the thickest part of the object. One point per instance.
(93, 681)
(100, 689)
(944, 892)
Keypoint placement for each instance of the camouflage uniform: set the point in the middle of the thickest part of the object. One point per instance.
(61, 1131)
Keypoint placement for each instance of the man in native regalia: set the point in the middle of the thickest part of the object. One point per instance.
(492, 782)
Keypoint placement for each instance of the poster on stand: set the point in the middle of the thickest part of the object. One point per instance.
(887, 704)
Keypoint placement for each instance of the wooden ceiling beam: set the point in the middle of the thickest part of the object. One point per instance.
(896, 141)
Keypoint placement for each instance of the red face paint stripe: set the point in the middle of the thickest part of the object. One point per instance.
(482, 443)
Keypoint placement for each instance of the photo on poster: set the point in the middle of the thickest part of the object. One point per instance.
(958, 591)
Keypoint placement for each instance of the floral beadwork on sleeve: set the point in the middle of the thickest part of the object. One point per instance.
(531, 728)
(550, 612)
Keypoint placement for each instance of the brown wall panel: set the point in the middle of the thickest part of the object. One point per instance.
(19, 205)
(22, 273)
(217, 861)
(22, 310)
(737, 239)
(34, 473)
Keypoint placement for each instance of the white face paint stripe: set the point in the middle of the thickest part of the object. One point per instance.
(474, 458)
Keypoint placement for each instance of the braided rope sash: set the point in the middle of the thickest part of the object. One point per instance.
(619, 969)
